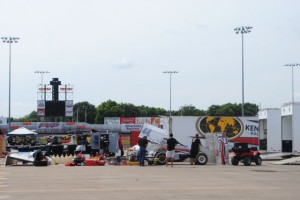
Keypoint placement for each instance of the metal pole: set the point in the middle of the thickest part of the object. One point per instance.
(292, 65)
(42, 83)
(170, 95)
(9, 88)
(242, 74)
(170, 111)
(293, 85)
(9, 40)
(242, 30)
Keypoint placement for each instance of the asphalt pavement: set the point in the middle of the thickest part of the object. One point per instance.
(182, 182)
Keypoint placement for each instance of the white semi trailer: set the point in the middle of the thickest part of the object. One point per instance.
(237, 129)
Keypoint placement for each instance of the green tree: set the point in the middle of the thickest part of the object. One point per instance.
(230, 109)
(32, 117)
(84, 112)
(189, 110)
(129, 109)
(108, 109)
(251, 109)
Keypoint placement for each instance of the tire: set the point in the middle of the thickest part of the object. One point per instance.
(150, 162)
(235, 161)
(161, 158)
(258, 160)
(201, 159)
(247, 161)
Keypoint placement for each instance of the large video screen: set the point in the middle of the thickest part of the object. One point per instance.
(55, 108)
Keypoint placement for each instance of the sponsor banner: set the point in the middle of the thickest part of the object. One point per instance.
(233, 127)
(69, 108)
(65, 88)
(49, 125)
(133, 127)
(40, 104)
(111, 120)
(127, 120)
(143, 120)
(26, 123)
(41, 112)
(155, 121)
(41, 108)
(44, 88)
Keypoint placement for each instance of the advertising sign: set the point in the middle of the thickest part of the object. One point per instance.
(69, 108)
(236, 129)
(41, 108)
(111, 120)
(127, 120)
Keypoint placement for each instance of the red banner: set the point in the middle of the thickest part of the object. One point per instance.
(127, 120)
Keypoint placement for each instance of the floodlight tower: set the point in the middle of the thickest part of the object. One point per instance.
(42, 83)
(242, 30)
(292, 65)
(170, 72)
(9, 40)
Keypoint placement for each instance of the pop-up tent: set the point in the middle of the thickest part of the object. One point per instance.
(21, 131)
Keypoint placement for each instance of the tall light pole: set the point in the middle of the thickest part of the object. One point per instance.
(170, 73)
(292, 65)
(42, 86)
(9, 40)
(42, 74)
(242, 30)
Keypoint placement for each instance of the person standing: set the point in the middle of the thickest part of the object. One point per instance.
(171, 143)
(196, 143)
(143, 143)
(120, 145)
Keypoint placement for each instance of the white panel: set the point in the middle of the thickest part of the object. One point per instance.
(286, 125)
(274, 131)
(296, 128)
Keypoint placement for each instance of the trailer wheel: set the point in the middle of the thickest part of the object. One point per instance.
(201, 159)
(235, 160)
(247, 161)
(258, 160)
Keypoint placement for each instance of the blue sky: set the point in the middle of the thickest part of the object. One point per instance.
(119, 49)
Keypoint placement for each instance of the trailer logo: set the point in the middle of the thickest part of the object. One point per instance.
(231, 126)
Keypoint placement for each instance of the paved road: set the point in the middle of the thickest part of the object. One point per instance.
(150, 182)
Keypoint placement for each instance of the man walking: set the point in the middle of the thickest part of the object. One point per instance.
(171, 143)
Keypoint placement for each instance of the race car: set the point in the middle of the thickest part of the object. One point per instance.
(156, 154)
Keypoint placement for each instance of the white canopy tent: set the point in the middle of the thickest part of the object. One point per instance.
(21, 131)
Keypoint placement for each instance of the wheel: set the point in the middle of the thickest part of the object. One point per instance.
(235, 160)
(258, 160)
(150, 162)
(201, 159)
(247, 161)
(161, 158)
